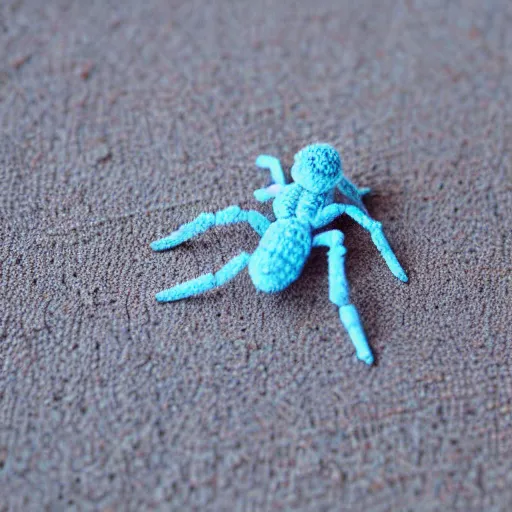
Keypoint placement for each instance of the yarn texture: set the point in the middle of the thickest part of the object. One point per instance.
(300, 208)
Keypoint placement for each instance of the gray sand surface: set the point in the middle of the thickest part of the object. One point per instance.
(117, 124)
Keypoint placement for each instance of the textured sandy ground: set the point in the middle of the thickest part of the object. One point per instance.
(118, 124)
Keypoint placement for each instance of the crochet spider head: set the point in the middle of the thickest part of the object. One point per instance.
(317, 168)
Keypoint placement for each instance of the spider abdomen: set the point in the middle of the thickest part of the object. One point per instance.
(280, 255)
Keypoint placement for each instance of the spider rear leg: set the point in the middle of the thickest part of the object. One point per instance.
(205, 221)
(207, 281)
(339, 292)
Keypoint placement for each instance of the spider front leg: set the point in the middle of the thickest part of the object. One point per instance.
(379, 239)
(277, 175)
(349, 190)
(205, 221)
(339, 292)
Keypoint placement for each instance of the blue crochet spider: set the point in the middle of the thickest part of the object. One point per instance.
(300, 208)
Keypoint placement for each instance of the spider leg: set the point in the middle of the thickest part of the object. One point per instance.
(339, 292)
(379, 239)
(354, 194)
(273, 164)
(265, 194)
(327, 214)
(205, 221)
(207, 281)
(278, 180)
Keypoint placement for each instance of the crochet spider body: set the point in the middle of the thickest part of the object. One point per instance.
(301, 208)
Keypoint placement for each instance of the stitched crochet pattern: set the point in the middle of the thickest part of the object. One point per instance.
(300, 208)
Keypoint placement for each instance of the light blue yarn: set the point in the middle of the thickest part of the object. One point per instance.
(272, 163)
(300, 208)
(206, 282)
(205, 221)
